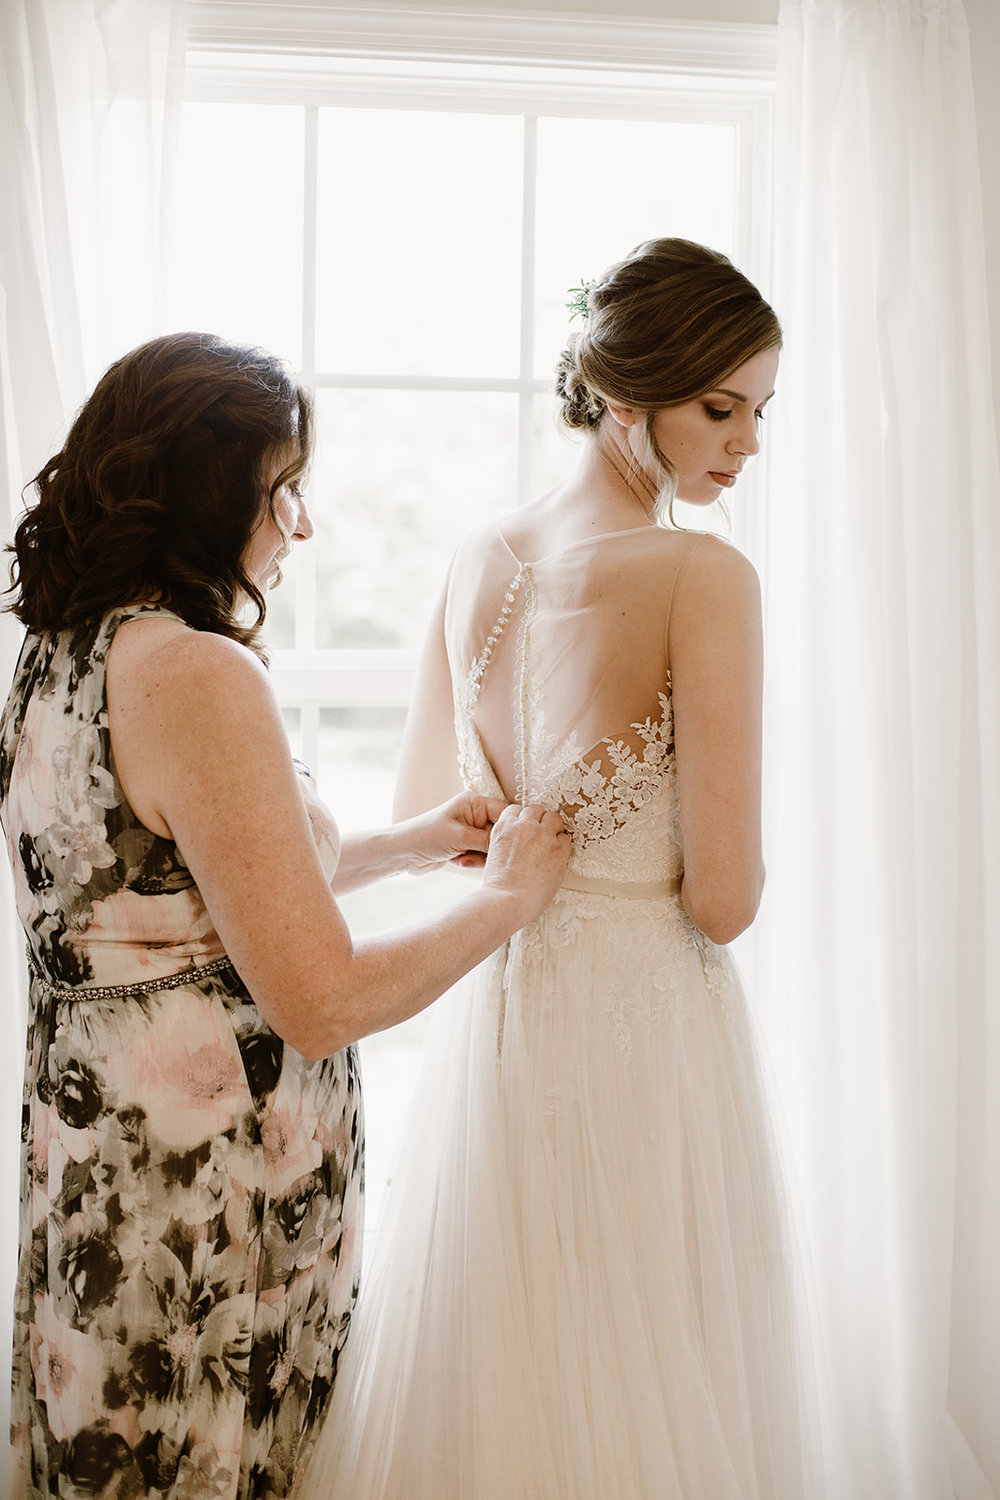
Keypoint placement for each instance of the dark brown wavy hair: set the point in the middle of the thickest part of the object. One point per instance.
(159, 487)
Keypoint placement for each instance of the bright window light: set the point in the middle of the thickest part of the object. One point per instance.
(411, 254)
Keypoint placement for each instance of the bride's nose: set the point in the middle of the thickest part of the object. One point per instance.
(745, 439)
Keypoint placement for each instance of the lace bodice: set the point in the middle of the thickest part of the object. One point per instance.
(617, 794)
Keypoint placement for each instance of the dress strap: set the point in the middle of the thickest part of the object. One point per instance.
(190, 975)
(633, 890)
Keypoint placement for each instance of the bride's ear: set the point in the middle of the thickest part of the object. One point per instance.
(625, 416)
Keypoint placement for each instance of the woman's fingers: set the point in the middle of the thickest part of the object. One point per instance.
(528, 855)
(533, 812)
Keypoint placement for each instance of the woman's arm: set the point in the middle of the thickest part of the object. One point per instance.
(428, 763)
(457, 833)
(203, 759)
(715, 655)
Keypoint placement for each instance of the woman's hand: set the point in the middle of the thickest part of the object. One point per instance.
(528, 854)
(458, 831)
(203, 755)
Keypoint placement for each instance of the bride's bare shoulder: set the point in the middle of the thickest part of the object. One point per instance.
(714, 582)
(703, 557)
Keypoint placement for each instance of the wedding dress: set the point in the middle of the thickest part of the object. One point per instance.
(582, 1287)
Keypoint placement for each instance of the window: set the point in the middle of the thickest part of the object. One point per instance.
(402, 216)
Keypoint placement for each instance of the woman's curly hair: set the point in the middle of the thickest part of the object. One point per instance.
(159, 487)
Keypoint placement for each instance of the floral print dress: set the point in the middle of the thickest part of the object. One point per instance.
(191, 1187)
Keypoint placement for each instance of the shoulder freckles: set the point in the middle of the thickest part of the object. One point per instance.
(203, 652)
(713, 561)
(170, 661)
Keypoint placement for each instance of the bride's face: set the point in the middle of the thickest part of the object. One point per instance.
(709, 439)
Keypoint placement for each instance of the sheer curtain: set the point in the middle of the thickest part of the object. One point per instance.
(881, 559)
(87, 95)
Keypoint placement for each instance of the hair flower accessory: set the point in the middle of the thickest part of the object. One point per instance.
(578, 300)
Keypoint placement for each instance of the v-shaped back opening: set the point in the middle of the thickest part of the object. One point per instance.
(561, 661)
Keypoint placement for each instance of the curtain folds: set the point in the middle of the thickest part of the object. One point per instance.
(88, 95)
(880, 554)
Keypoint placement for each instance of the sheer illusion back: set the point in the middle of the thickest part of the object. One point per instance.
(562, 688)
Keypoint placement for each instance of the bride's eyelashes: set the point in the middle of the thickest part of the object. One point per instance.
(719, 414)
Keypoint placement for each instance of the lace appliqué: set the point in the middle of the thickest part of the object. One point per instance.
(597, 796)
(604, 801)
(661, 991)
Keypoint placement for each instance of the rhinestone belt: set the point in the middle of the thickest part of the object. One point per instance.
(122, 991)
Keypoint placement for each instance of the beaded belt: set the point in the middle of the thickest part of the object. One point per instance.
(634, 890)
(122, 991)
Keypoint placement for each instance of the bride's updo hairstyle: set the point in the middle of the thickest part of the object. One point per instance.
(159, 487)
(663, 326)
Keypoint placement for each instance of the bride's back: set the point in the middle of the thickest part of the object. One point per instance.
(556, 645)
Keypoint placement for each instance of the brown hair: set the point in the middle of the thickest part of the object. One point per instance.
(666, 324)
(159, 487)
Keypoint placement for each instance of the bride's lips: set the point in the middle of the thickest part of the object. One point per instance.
(727, 480)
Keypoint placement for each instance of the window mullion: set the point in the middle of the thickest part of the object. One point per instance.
(305, 595)
(525, 408)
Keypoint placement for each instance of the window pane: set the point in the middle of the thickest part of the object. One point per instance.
(555, 449)
(399, 477)
(419, 224)
(279, 627)
(356, 774)
(656, 178)
(293, 724)
(235, 260)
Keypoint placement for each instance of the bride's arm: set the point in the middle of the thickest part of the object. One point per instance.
(428, 766)
(716, 659)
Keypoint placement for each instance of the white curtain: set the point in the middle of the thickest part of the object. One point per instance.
(88, 90)
(881, 556)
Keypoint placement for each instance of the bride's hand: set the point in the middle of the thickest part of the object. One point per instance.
(528, 854)
(458, 831)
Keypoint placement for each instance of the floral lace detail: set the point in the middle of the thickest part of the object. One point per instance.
(604, 801)
(720, 973)
(672, 971)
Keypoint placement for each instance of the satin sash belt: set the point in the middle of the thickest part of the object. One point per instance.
(634, 890)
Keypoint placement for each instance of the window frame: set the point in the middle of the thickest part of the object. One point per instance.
(313, 55)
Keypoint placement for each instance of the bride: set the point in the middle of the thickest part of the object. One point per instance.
(582, 1287)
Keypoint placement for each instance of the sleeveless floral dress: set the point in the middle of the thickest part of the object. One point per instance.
(191, 1187)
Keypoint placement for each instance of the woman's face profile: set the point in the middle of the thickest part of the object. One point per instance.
(284, 521)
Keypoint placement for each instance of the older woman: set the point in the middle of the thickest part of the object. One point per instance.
(193, 1144)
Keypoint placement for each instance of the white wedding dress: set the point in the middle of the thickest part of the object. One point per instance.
(581, 1288)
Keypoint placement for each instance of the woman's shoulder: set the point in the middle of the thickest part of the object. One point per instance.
(159, 652)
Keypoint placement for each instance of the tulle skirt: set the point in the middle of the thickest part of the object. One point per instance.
(582, 1287)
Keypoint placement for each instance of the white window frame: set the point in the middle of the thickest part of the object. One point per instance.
(525, 64)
